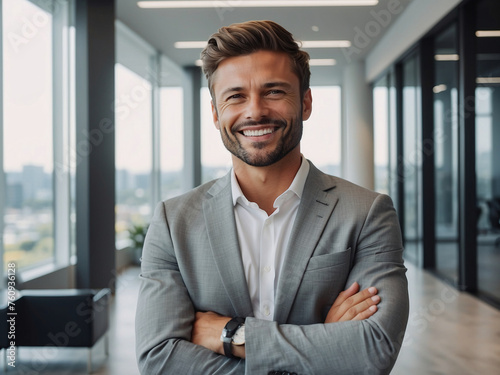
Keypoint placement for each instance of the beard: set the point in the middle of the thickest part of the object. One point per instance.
(255, 155)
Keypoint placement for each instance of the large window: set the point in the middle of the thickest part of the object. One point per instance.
(215, 159)
(133, 150)
(381, 135)
(37, 121)
(172, 141)
(321, 141)
(149, 134)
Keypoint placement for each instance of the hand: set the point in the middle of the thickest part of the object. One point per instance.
(207, 329)
(353, 305)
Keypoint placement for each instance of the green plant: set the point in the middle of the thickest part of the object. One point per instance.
(137, 234)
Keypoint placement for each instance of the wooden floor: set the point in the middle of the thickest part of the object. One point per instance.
(448, 333)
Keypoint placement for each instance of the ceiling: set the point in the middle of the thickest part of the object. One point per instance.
(363, 26)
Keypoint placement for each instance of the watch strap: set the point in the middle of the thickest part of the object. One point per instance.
(228, 333)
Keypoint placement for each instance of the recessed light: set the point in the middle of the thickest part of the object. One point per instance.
(326, 44)
(487, 80)
(488, 33)
(193, 44)
(447, 57)
(254, 3)
(439, 88)
(305, 44)
(322, 62)
(312, 62)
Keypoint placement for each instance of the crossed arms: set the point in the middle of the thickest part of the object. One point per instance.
(176, 333)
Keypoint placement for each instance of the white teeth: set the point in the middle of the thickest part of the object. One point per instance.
(257, 133)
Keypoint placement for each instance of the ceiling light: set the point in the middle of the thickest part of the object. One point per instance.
(439, 88)
(305, 44)
(254, 3)
(487, 80)
(326, 44)
(193, 44)
(487, 33)
(322, 62)
(198, 63)
(447, 57)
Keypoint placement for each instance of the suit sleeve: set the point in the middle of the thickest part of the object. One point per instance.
(165, 314)
(370, 346)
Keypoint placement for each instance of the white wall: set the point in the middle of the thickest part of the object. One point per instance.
(416, 20)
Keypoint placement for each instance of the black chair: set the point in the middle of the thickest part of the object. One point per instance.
(60, 318)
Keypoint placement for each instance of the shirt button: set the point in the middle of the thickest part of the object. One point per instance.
(267, 269)
(267, 312)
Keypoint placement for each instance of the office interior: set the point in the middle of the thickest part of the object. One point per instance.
(105, 112)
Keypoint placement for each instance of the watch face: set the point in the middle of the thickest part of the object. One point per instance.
(239, 336)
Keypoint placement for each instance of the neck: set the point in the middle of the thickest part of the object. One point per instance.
(263, 185)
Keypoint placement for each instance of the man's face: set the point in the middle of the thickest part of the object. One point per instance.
(259, 110)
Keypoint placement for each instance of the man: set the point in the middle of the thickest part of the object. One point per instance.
(245, 274)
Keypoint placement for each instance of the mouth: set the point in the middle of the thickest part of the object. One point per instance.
(257, 132)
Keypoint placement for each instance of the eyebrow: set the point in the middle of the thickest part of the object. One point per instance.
(277, 84)
(231, 89)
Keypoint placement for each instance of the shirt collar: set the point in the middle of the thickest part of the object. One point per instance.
(297, 185)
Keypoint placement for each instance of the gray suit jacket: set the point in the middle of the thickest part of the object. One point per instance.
(191, 262)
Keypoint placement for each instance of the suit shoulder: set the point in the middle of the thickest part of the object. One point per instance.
(194, 198)
(195, 194)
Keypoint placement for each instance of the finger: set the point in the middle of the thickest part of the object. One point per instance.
(349, 292)
(361, 310)
(351, 304)
(367, 313)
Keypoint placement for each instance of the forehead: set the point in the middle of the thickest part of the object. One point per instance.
(254, 69)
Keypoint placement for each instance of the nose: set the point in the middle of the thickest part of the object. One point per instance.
(256, 108)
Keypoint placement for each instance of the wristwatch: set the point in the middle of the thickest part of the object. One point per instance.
(229, 335)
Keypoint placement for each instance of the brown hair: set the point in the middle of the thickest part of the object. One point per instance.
(244, 38)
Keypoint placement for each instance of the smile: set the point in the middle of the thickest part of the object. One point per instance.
(257, 133)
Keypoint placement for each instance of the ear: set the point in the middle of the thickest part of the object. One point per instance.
(215, 115)
(307, 105)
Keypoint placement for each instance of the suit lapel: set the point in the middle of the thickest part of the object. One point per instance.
(315, 209)
(222, 234)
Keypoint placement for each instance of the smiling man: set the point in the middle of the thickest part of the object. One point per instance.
(276, 267)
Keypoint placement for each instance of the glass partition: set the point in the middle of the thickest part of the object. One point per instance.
(488, 147)
(445, 93)
(412, 159)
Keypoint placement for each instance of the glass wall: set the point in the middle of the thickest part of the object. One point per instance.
(28, 142)
(387, 172)
(488, 147)
(381, 134)
(412, 159)
(134, 151)
(445, 93)
(215, 159)
(321, 141)
(149, 151)
(172, 141)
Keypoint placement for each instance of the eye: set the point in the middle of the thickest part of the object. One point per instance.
(275, 92)
(234, 96)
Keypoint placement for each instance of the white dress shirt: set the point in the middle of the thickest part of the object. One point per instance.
(264, 239)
